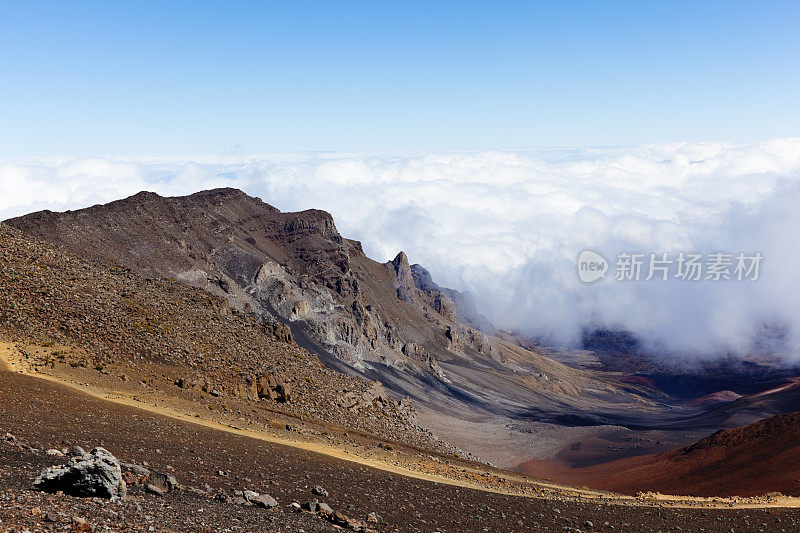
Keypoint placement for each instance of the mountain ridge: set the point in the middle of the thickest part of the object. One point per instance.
(388, 322)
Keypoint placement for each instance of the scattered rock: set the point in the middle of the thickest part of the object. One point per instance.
(136, 469)
(96, 474)
(165, 482)
(373, 517)
(260, 500)
(152, 489)
(311, 506)
(266, 501)
(342, 520)
(80, 525)
(318, 490)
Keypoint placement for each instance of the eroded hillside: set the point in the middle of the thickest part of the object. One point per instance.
(161, 336)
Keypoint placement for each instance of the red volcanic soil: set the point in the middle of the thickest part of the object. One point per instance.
(717, 398)
(640, 381)
(747, 461)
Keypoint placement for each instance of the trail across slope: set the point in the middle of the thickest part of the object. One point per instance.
(423, 467)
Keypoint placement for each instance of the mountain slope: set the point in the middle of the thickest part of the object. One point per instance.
(387, 322)
(752, 460)
(155, 336)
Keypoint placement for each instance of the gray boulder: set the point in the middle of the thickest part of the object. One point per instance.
(136, 469)
(95, 474)
(260, 500)
(165, 482)
(76, 451)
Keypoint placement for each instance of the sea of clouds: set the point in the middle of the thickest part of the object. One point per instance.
(509, 225)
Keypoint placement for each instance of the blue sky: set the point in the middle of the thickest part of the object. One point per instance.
(218, 77)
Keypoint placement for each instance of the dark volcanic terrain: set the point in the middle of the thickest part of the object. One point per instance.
(45, 415)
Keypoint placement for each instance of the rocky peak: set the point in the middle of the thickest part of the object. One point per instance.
(313, 220)
(143, 195)
(423, 279)
(404, 279)
(400, 263)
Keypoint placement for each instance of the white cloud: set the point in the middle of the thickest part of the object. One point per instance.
(508, 225)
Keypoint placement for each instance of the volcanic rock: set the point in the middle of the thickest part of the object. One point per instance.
(165, 482)
(96, 474)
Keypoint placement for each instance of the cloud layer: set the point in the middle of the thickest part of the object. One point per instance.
(509, 225)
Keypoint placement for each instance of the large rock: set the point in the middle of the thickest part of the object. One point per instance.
(284, 392)
(95, 474)
(260, 500)
(266, 387)
(164, 482)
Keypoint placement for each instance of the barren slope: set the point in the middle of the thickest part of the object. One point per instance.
(752, 460)
(389, 322)
(154, 336)
(195, 453)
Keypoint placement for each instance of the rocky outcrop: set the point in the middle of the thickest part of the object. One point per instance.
(458, 305)
(404, 279)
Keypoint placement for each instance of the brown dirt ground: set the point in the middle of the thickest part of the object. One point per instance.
(46, 414)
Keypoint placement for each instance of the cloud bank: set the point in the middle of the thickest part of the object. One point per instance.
(509, 225)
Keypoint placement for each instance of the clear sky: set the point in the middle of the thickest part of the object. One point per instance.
(80, 78)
